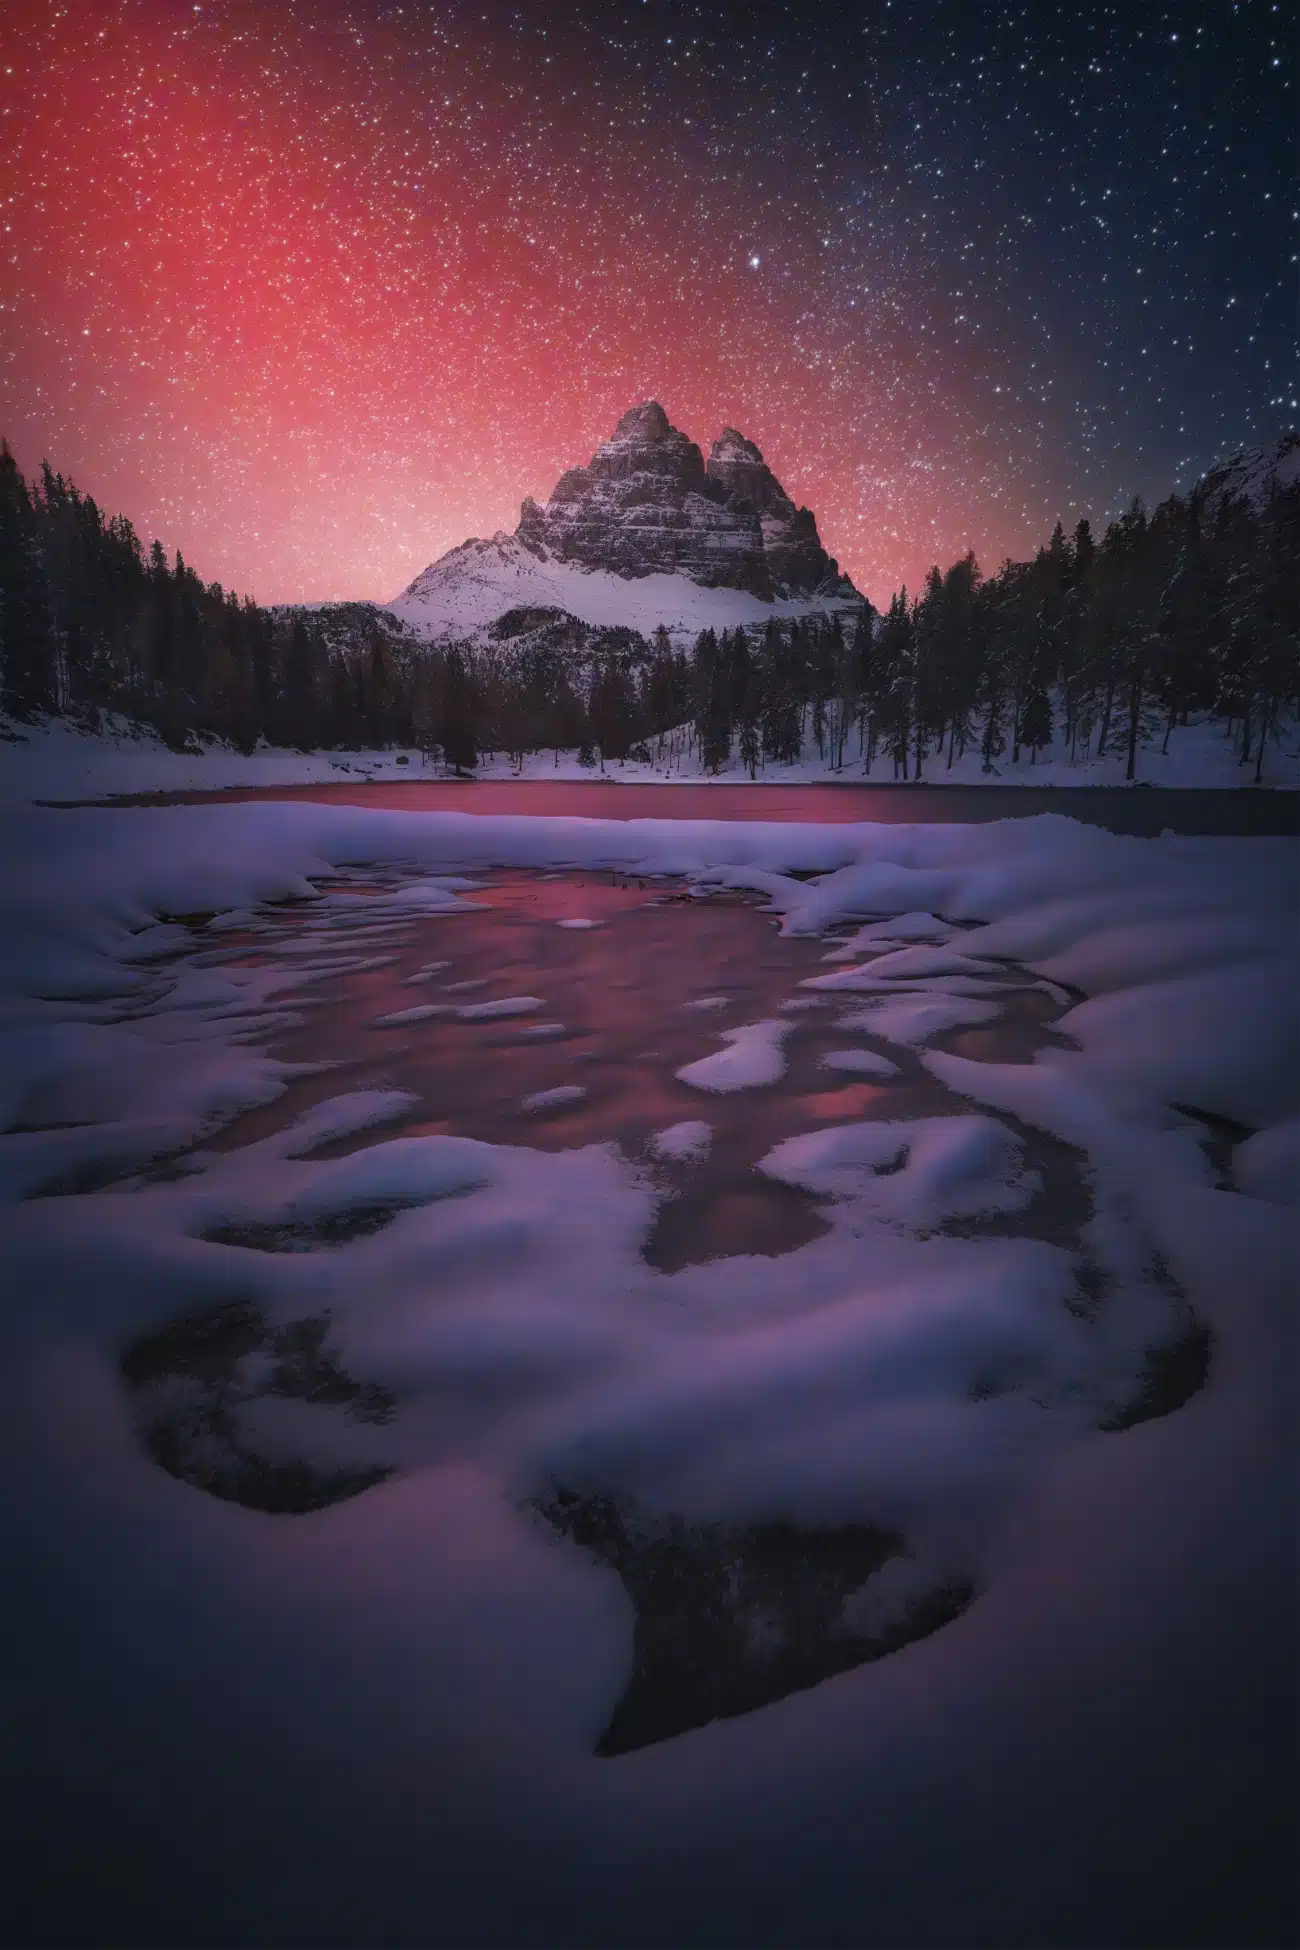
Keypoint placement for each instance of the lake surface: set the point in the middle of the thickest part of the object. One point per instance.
(571, 1013)
(629, 980)
(1146, 811)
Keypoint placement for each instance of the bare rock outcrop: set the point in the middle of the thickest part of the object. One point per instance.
(646, 502)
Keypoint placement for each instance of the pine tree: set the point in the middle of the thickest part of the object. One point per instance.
(27, 680)
(569, 722)
(1184, 658)
(822, 683)
(300, 688)
(611, 711)
(381, 703)
(962, 651)
(1263, 613)
(456, 732)
(781, 729)
(1036, 718)
(892, 681)
(844, 668)
(1138, 633)
(745, 702)
(1036, 706)
(930, 678)
(712, 700)
(863, 655)
(660, 688)
(990, 685)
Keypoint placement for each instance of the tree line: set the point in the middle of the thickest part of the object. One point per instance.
(1094, 646)
(90, 622)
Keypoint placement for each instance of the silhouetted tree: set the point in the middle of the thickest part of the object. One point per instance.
(456, 731)
(26, 632)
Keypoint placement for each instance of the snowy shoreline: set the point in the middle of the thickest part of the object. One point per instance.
(56, 763)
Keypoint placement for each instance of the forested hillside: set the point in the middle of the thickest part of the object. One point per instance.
(1095, 645)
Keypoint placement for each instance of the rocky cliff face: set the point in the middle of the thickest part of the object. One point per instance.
(1252, 476)
(646, 503)
(796, 560)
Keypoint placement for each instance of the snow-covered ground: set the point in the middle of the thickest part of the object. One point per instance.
(375, 1722)
(55, 761)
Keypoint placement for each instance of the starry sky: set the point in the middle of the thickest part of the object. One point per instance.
(314, 289)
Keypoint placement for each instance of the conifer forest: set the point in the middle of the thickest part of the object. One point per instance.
(1100, 644)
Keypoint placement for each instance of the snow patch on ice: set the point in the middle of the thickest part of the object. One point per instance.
(918, 1173)
(859, 1062)
(341, 1117)
(505, 1005)
(914, 1019)
(563, 1093)
(686, 1143)
(422, 1012)
(753, 1056)
(403, 1171)
(894, 933)
(426, 974)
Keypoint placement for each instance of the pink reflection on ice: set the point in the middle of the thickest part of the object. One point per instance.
(617, 1008)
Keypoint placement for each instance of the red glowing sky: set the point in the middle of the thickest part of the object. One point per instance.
(315, 292)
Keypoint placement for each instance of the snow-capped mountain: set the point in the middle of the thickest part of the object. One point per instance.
(645, 534)
(1252, 476)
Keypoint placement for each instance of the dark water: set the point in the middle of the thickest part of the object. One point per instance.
(1145, 811)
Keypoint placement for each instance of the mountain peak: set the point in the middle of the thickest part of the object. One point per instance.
(645, 503)
(732, 445)
(645, 422)
(644, 534)
(1252, 476)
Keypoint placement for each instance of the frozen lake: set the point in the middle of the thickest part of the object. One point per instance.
(1138, 810)
(621, 983)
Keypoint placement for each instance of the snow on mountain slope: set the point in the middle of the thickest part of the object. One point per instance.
(1251, 476)
(461, 595)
